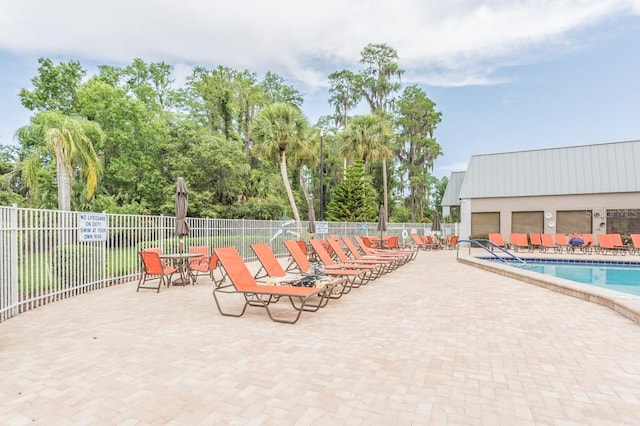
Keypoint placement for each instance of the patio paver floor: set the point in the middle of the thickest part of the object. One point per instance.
(435, 342)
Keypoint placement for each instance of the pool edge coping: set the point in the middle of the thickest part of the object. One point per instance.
(626, 305)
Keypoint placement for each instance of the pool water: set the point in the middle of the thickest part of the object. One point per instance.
(619, 277)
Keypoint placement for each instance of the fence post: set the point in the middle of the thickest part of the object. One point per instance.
(244, 240)
(105, 267)
(13, 260)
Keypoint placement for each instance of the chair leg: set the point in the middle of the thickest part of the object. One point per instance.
(144, 278)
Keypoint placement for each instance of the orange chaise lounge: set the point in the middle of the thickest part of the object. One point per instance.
(242, 282)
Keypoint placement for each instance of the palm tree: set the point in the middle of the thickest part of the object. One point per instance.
(278, 128)
(68, 139)
(367, 137)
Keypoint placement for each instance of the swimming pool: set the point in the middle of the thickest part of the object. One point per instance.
(619, 276)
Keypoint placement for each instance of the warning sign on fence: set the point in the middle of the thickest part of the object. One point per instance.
(92, 227)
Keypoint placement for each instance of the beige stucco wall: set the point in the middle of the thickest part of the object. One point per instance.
(549, 204)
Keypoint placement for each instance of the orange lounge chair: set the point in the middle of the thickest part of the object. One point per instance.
(562, 242)
(548, 243)
(272, 270)
(325, 258)
(452, 242)
(518, 241)
(497, 239)
(205, 265)
(635, 244)
(608, 244)
(433, 242)
(300, 264)
(264, 296)
(419, 242)
(154, 269)
(405, 254)
(587, 246)
(269, 265)
(390, 243)
(343, 258)
(393, 262)
(590, 244)
(535, 241)
(616, 239)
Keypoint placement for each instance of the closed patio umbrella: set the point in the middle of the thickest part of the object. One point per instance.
(182, 202)
(435, 226)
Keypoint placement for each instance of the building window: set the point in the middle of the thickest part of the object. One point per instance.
(623, 221)
(570, 221)
(527, 222)
(484, 223)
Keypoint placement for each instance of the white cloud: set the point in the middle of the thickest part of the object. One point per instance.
(445, 43)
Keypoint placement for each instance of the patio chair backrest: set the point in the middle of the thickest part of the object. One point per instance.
(635, 240)
(605, 241)
(363, 245)
(298, 256)
(367, 241)
(393, 242)
(588, 239)
(496, 238)
(303, 247)
(200, 263)
(336, 245)
(547, 240)
(535, 238)
(561, 239)
(268, 260)
(616, 239)
(236, 269)
(321, 252)
(352, 247)
(152, 263)
(213, 262)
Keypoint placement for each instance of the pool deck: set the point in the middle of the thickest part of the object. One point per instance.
(623, 303)
(436, 342)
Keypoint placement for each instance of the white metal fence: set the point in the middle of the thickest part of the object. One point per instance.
(48, 255)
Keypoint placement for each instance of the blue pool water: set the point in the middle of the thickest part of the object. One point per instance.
(618, 276)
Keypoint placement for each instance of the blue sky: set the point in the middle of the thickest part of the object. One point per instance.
(505, 75)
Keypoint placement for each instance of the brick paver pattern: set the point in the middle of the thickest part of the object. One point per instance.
(435, 342)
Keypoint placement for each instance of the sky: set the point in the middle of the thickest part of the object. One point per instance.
(507, 75)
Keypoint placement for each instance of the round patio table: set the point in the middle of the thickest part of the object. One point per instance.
(181, 262)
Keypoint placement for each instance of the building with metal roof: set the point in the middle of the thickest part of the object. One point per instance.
(589, 188)
(451, 197)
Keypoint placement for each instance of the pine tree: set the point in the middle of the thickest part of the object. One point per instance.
(354, 199)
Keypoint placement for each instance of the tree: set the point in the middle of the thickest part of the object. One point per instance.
(277, 128)
(278, 91)
(8, 159)
(416, 121)
(353, 199)
(378, 87)
(55, 87)
(69, 141)
(345, 94)
(376, 80)
(368, 137)
(138, 143)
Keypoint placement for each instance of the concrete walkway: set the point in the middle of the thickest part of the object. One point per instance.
(436, 342)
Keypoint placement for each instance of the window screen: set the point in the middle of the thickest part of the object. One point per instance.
(623, 221)
(527, 222)
(484, 223)
(570, 221)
